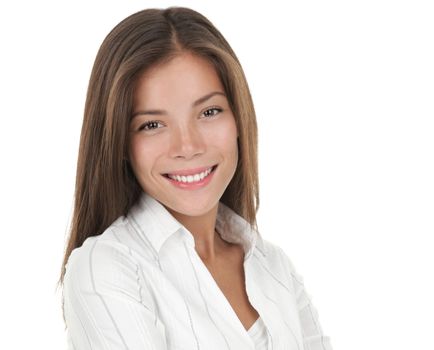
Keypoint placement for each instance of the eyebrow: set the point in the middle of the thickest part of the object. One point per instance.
(195, 104)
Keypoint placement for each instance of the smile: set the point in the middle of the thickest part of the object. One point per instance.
(192, 179)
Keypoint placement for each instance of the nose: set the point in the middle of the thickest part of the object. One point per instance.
(186, 142)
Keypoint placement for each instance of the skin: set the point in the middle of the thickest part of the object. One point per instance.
(185, 137)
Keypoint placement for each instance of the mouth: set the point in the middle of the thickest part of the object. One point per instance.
(191, 178)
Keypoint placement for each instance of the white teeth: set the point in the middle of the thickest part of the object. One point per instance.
(191, 178)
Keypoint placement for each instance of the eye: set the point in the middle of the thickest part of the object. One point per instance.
(211, 112)
(151, 125)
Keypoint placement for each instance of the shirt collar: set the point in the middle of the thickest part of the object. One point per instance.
(155, 222)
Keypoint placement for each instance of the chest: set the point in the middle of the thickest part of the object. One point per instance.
(229, 276)
(203, 303)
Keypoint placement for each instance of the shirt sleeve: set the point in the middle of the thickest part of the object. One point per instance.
(106, 306)
(313, 336)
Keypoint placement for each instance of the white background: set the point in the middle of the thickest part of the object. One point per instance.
(344, 98)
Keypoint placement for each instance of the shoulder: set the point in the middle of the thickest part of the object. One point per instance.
(118, 245)
(279, 261)
(108, 259)
(98, 261)
(274, 253)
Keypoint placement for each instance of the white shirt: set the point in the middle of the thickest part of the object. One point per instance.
(259, 335)
(141, 285)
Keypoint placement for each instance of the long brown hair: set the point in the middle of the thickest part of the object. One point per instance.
(106, 187)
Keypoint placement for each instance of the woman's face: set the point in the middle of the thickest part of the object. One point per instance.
(182, 128)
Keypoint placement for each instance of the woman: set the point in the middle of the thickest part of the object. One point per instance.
(164, 251)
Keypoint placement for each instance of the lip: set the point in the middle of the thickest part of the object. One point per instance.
(194, 185)
(186, 172)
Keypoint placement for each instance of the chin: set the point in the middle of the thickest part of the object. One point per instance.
(192, 208)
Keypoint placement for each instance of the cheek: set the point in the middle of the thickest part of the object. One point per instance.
(144, 153)
(229, 139)
(224, 133)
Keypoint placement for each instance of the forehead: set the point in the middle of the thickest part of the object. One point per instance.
(183, 78)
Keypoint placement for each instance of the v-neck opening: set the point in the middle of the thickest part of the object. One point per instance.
(222, 296)
(253, 326)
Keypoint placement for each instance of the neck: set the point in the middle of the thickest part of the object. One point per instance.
(208, 243)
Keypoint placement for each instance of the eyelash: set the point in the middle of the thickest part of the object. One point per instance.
(146, 125)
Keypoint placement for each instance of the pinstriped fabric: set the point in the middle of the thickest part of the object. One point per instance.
(92, 277)
(281, 283)
(274, 277)
(191, 325)
(141, 285)
(204, 300)
(287, 325)
(79, 323)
